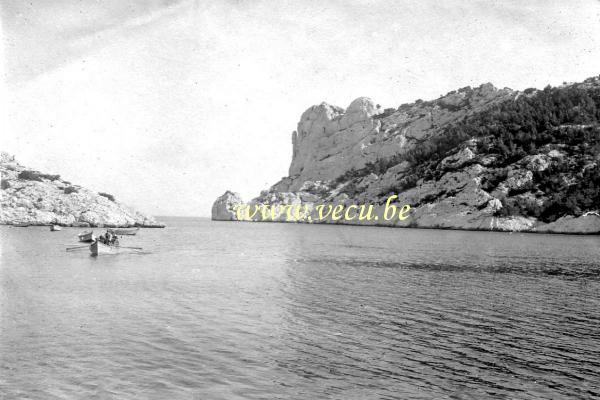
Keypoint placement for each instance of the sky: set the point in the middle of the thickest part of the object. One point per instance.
(167, 104)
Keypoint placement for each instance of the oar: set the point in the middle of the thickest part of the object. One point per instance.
(129, 247)
(77, 247)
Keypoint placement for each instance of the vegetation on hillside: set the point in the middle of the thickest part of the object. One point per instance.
(566, 118)
(30, 175)
(107, 195)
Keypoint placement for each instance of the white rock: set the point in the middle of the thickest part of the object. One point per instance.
(224, 207)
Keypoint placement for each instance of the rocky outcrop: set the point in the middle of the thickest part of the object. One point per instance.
(224, 207)
(330, 141)
(585, 224)
(467, 160)
(35, 198)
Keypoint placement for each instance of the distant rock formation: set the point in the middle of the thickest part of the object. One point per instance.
(35, 198)
(224, 207)
(482, 158)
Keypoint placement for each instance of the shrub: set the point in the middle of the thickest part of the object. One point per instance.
(71, 189)
(491, 179)
(108, 196)
(50, 177)
(29, 175)
(386, 113)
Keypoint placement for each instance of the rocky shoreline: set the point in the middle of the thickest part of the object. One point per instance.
(29, 197)
(475, 159)
(224, 209)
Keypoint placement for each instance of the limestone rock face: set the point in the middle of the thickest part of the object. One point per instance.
(224, 207)
(538, 162)
(330, 141)
(364, 154)
(328, 135)
(41, 199)
(458, 160)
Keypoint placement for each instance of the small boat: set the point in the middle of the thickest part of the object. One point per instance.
(20, 225)
(131, 231)
(87, 236)
(97, 249)
(54, 228)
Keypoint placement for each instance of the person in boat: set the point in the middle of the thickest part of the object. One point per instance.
(112, 239)
(106, 238)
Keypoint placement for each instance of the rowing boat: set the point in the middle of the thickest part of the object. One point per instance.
(131, 231)
(55, 228)
(98, 249)
(23, 225)
(87, 236)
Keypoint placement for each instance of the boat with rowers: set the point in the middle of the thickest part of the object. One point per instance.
(98, 248)
(109, 244)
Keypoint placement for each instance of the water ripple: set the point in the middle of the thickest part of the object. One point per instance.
(257, 311)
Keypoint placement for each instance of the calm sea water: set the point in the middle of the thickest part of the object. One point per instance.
(218, 310)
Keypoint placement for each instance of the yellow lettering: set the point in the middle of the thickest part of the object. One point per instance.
(238, 212)
(404, 210)
(337, 212)
(276, 211)
(303, 215)
(346, 216)
(250, 217)
(264, 211)
(320, 208)
(286, 209)
(368, 216)
(389, 207)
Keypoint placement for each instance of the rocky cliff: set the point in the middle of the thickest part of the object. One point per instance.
(476, 158)
(35, 198)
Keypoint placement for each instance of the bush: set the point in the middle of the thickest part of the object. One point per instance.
(350, 189)
(29, 175)
(108, 196)
(386, 113)
(71, 189)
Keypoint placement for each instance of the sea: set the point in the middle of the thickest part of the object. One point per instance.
(232, 310)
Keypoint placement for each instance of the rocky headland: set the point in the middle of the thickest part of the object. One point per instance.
(31, 197)
(476, 158)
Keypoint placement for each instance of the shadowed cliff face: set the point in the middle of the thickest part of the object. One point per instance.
(36, 198)
(478, 158)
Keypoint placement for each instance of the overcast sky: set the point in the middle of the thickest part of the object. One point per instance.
(166, 104)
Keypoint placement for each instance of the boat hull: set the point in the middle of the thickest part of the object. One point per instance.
(86, 236)
(97, 249)
(54, 228)
(130, 232)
